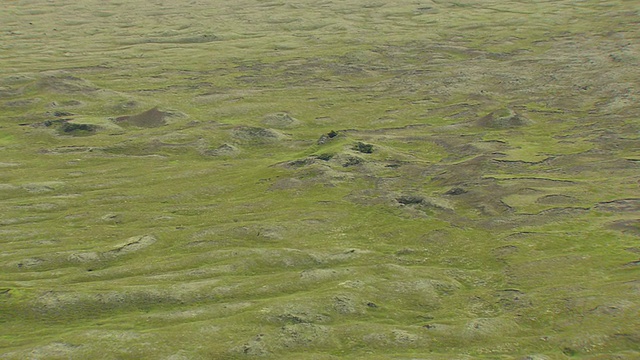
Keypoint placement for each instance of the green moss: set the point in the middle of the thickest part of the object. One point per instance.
(335, 182)
(6, 139)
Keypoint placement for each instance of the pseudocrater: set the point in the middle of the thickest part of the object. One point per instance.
(280, 120)
(148, 119)
(503, 119)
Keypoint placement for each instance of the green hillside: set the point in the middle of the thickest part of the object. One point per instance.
(320, 179)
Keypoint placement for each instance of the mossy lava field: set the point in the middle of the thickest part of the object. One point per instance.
(266, 179)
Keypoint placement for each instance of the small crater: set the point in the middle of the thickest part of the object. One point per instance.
(456, 191)
(503, 119)
(280, 121)
(410, 200)
(148, 119)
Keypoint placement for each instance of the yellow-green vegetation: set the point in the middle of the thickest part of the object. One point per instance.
(319, 179)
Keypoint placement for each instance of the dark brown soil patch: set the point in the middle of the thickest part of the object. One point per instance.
(148, 119)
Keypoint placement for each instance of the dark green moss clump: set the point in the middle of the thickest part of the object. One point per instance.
(363, 148)
(353, 161)
(410, 200)
(69, 128)
(327, 137)
(325, 157)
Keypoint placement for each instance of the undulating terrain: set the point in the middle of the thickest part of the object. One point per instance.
(408, 179)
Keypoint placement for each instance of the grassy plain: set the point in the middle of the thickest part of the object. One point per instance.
(169, 188)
